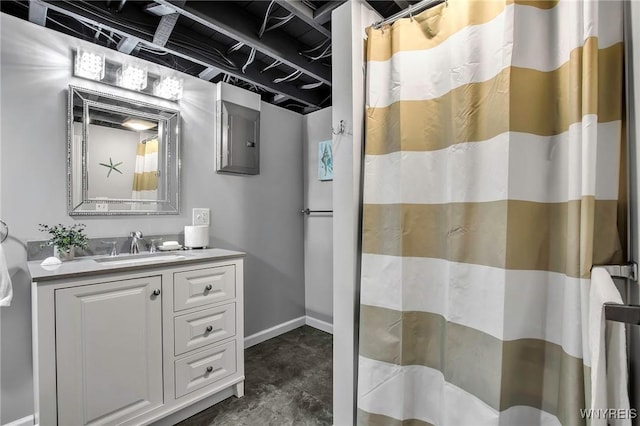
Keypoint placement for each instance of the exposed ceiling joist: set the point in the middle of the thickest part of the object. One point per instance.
(99, 18)
(279, 98)
(265, 80)
(37, 13)
(322, 15)
(304, 12)
(200, 56)
(230, 20)
(402, 4)
(158, 9)
(209, 73)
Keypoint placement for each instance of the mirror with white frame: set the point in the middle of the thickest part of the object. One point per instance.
(123, 156)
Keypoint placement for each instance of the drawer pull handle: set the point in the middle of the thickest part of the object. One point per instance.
(209, 369)
(209, 328)
(208, 287)
(156, 292)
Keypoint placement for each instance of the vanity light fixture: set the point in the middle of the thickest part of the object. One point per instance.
(168, 87)
(138, 124)
(132, 77)
(128, 74)
(89, 65)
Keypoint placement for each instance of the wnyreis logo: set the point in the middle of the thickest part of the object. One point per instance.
(608, 413)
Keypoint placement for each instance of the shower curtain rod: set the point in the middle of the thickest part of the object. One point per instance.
(416, 8)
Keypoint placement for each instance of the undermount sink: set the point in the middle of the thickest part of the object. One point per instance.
(139, 258)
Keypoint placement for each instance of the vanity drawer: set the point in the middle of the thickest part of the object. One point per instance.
(203, 368)
(202, 328)
(203, 286)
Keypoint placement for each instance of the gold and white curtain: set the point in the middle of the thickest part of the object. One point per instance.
(145, 177)
(491, 186)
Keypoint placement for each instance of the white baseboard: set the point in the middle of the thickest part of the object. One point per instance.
(285, 327)
(320, 325)
(274, 331)
(25, 421)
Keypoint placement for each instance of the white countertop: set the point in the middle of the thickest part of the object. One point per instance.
(88, 265)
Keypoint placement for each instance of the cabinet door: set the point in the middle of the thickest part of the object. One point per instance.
(109, 351)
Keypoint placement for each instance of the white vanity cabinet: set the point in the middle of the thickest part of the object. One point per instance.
(108, 337)
(131, 346)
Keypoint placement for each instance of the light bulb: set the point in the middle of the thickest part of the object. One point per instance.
(168, 87)
(132, 77)
(89, 65)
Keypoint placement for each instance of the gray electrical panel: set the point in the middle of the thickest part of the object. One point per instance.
(239, 143)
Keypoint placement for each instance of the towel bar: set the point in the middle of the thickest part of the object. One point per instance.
(629, 271)
(308, 212)
(629, 314)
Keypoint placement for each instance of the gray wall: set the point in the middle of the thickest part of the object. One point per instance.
(318, 228)
(256, 214)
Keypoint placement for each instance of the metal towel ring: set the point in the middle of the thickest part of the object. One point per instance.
(4, 231)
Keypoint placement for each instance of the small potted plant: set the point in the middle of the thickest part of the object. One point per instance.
(64, 239)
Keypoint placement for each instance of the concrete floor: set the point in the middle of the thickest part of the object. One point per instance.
(289, 381)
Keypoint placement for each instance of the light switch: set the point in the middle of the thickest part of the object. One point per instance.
(201, 216)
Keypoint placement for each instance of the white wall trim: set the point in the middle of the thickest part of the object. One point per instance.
(320, 325)
(285, 327)
(274, 331)
(25, 421)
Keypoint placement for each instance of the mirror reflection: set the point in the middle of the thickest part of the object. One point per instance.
(123, 155)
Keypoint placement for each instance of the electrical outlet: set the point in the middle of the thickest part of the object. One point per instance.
(200, 216)
(102, 207)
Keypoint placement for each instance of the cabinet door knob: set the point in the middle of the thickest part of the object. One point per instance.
(209, 369)
(209, 328)
(156, 292)
(208, 287)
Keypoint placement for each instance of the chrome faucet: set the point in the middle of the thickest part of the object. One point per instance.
(136, 236)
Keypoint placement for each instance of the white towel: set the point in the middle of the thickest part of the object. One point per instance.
(608, 358)
(6, 289)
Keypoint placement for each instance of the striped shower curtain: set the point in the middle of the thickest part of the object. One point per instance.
(145, 177)
(492, 178)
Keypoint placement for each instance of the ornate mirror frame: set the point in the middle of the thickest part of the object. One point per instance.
(91, 113)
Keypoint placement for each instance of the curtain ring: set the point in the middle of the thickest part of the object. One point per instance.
(446, 3)
(410, 14)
